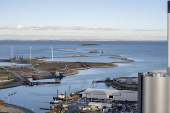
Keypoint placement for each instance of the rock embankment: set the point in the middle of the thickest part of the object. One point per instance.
(5, 109)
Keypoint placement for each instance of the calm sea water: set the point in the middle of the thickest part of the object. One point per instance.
(147, 56)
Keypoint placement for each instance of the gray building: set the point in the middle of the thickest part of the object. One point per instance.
(112, 94)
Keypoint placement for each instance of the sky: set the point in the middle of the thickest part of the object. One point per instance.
(137, 20)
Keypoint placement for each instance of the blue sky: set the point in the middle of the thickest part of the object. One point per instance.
(83, 19)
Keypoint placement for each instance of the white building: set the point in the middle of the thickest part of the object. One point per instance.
(112, 94)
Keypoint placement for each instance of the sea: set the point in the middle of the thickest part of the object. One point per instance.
(148, 55)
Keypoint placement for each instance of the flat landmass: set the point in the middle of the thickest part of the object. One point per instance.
(40, 66)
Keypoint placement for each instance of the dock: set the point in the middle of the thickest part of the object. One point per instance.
(44, 108)
(97, 81)
(39, 83)
(115, 83)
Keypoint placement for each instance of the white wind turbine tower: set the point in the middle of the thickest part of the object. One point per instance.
(11, 51)
(52, 53)
(30, 52)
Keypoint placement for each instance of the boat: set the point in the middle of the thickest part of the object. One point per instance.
(56, 102)
(35, 77)
(60, 97)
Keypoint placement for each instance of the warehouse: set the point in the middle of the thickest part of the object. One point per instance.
(112, 94)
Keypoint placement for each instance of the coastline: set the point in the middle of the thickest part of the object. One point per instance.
(38, 65)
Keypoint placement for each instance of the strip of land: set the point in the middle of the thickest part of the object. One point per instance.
(40, 66)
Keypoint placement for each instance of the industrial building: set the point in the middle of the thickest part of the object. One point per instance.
(112, 94)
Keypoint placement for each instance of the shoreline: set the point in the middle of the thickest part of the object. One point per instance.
(38, 65)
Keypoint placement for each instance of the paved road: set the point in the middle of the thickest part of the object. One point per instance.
(25, 110)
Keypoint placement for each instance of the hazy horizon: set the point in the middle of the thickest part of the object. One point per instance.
(83, 20)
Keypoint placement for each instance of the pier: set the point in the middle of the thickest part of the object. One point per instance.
(39, 83)
(121, 83)
(97, 81)
(127, 84)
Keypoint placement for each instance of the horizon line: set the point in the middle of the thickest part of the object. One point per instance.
(83, 40)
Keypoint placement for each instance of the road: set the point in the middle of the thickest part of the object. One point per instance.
(25, 110)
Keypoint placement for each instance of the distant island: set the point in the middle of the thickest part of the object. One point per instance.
(90, 45)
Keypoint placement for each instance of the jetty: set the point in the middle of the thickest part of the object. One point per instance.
(40, 83)
(121, 83)
(97, 81)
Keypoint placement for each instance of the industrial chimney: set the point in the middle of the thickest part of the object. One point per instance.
(153, 87)
(168, 38)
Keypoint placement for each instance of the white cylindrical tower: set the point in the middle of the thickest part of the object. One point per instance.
(51, 53)
(30, 52)
(168, 38)
(11, 51)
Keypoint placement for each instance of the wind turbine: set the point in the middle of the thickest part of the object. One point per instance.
(52, 53)
(11, 51)
(30, 52)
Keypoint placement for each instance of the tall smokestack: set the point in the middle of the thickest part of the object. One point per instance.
(168, 38)
(153, 87)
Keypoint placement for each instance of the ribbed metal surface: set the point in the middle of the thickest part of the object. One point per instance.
(155, 95)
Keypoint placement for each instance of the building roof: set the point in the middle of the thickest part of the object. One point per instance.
(158, 71)
(106, 91)
(99, 104)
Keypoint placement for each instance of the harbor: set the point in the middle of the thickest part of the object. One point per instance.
(40, 96)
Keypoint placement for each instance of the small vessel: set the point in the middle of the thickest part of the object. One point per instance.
(35, 77)
(60, 97)
(56, 102)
